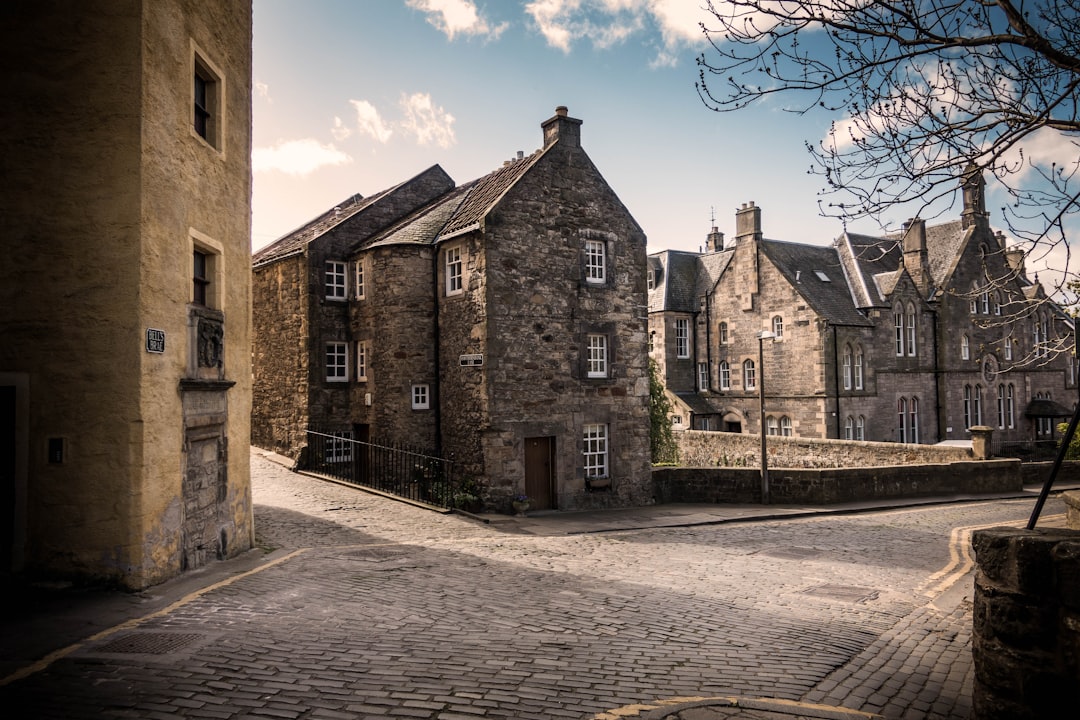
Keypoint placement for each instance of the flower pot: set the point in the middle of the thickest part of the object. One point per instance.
(520, 507)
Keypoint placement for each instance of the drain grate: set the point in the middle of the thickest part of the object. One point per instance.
(149, 643)
(378, 554)
(847, 593)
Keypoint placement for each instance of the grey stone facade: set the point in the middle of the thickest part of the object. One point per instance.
(501, 323)
(939, 323)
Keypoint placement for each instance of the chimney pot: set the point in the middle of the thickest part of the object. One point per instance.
(561, 111)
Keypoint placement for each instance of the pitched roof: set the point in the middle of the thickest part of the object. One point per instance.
(295, 241)
(816, 273)
(485, 193)
(675, 288)
(424, 225)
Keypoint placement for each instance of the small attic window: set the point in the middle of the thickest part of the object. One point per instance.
(822, 276)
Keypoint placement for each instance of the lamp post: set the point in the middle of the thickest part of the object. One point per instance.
(762, 337)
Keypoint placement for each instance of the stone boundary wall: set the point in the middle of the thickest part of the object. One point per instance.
(698, 448)
(825, 486)
(1026, 636)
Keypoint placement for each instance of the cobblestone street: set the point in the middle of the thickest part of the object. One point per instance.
(366, 607)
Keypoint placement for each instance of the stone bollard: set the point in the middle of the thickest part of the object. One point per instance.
(980, 441)
(1026, 635)
(1072, 509)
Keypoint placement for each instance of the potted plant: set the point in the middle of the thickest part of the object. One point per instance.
(521, 504)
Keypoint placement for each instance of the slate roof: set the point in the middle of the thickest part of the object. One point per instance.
(676, 288)
(484, 194)
(800, 264)
(1046, 408)
(424, 225)
(863, 257)
(294, 242)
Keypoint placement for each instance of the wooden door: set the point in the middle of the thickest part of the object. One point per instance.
(539, 475)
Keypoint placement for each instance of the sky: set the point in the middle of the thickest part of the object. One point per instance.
(355, 96)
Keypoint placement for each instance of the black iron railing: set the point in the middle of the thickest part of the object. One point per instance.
(407, 472)
(1026, 450)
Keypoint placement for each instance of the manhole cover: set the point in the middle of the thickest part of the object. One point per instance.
(847, 593)
(378, 554)
(793, 553)
(149, 643)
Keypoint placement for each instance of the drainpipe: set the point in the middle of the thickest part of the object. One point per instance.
(708, 344)
(438, 355)
(836, 376)
(937, 379)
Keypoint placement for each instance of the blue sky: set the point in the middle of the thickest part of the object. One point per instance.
(354, 96)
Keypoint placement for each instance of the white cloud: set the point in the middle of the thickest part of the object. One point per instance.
(606, 23)
(340, 130)
(262, 90)
(297, 157)
(454, 17)
(369, 122)
(430, 124)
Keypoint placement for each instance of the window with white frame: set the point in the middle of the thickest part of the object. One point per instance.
(860, 428)
(772, 427)
(965, 348)
(973, 301)
(421, 397)
(849, 428)
(911, 329)
(455, 278)
(1008, 347)
(360, 289)
(725, 375)
(337, 362)
(977, 405)
(1001, 406)
(723, 333)
(335, 280)
(785, 426)
(596, 450)
(682, 338)
(997, 302)
(778, 326)
(984, 298)
(901, 426)
(596, 356)
(337, 448)
(749, 375)
(1010, 415)
(858, 367)
(361, 361)
(847, 367)
(595, 262)
(967, 407)
(913, 420)
(703, 376)
(898, 324)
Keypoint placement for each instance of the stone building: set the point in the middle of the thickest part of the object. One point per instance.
(501, 323)
(125, 292)
(914, 337)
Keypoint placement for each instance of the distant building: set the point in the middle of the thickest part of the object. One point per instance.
(910, 338)
(124, 292)
(501, 322)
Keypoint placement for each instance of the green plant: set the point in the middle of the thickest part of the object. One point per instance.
(661, 440)
(1073, 453)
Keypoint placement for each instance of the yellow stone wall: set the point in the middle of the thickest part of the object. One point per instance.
(107, 185)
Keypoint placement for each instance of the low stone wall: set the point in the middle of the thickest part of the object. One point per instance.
(698, 448)
(1026, 638)
(802, 486)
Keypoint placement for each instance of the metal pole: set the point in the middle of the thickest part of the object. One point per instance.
(761, 411)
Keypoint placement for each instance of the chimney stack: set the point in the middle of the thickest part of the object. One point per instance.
(562, 128)
(1015, 257)
(748, 223)
(974, 188)
(915, 256)
(714, 241)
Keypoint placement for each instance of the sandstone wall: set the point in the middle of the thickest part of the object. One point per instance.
(1026, 638)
